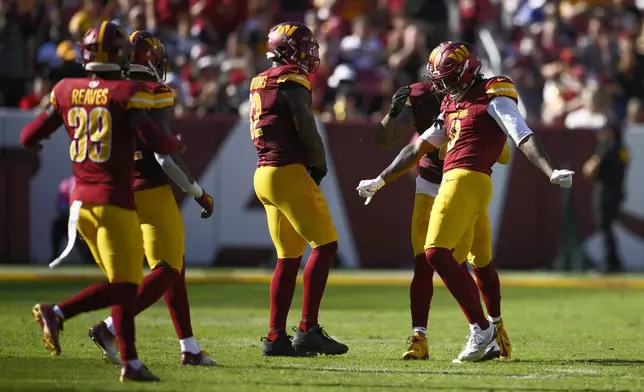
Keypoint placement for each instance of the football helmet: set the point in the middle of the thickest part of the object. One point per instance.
(453, 67)
(148, 55)
(293, 43)
(105, 48)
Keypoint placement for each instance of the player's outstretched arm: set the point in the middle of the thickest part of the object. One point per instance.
(298, 99)
(173, 165)
(506, 113)
(176, 169)
(151, 136)
(407, 158)
(398, 123)
(40, 128)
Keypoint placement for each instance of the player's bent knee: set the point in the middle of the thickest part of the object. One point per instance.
(478, 261)
(164, 264)
(328, 247)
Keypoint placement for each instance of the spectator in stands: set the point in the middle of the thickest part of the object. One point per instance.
(15, 30)
(630, 73)
(407, 59)
(598, 48)
(362, 48)
(92, 13)
(39, 97)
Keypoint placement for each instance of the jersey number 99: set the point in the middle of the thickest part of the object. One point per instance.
(92, 137)
(255, 112)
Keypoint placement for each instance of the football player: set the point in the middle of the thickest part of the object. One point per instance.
(158, 212)
(477, 116)
(291, 164)
(103, 115)
(415, 107)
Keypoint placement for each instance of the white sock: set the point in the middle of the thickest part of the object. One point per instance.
(421, 330)
(110, 325)
(58, 312)
(189, 345)
(494, 320)
(135, 364)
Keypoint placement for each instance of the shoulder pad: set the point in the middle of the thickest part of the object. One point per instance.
(163, 96)
(298, 78)
(52, 96)
(501, 86)
(419, 90)
(141, 97)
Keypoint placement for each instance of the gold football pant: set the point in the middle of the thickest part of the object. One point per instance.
(296, 210)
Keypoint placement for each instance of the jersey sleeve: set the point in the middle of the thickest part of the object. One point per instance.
(506, 114)
(140, 97)
(163, 97)
(292, 77)
(435, 135)
(501, 87)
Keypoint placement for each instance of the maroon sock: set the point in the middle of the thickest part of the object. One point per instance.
(176, 298)
(282, 290)
(421, 291)
(472, 283)
(490, 287)
(458, 284)
(316, 274)
(94, 297)
(123, 318)
(155, 284)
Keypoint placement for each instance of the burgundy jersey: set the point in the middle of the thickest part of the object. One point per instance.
(271, 123)
(147, 171)
(425, 107)
(475, 139)
(95, 113)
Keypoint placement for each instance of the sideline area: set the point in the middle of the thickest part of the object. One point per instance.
(337, 277)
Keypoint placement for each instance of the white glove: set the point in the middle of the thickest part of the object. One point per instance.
(368, 188)
(563, 178)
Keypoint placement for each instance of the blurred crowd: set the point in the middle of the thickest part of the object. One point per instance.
(577, 63)
(568, 57)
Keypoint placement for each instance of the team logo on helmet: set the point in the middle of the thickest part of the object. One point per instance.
(293, 43)
(453, 67)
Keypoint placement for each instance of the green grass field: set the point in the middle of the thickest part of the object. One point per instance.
(564, 339)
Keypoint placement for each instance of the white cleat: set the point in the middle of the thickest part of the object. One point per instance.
(477, 343)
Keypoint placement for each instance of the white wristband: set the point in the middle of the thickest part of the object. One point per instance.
(195, 190)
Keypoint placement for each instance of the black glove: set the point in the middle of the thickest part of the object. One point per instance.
(207, 205)
(398, 101)
(317, 174)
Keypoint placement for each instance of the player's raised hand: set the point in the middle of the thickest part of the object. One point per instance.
(398, 101)
(368, 188)
(563, 178)
(206, 202)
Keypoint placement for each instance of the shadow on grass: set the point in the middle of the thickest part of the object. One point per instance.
(587, 361)
(428, 386)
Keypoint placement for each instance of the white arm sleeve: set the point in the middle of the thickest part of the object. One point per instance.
(435, 135)
(177, 175)
(506, 113)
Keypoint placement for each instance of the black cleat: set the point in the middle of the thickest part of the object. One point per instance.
(280, 347)
(316, 341)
